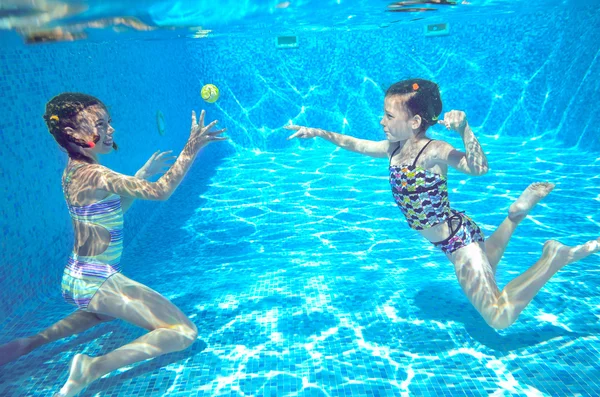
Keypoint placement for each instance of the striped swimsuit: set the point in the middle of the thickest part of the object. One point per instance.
(84, 275)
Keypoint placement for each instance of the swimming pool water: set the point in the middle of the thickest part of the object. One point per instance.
(304, 280)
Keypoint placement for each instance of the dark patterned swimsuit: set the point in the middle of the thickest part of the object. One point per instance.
(422, 196)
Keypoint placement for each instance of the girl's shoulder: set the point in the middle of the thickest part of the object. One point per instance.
(81, 183)
(438, 147)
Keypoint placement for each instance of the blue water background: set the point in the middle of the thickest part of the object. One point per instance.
(290, 256)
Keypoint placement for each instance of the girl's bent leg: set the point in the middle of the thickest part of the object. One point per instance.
(496, 244)
(501, 308)
(123, 298)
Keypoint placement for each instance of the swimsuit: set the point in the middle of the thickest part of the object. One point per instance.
(422, 196)
(84, 275)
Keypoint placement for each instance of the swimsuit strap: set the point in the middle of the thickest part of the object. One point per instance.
(70, 171)
(393, 153)
(72, 168)
(416, 158)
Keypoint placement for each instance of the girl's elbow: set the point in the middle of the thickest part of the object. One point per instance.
(163, 196)
(160, 191)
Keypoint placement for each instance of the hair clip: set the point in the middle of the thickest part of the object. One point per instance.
(415, 86)
(54, 117)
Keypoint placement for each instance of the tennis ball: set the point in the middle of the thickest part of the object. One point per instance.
(210, 93)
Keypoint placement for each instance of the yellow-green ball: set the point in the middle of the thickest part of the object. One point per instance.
(210, 93)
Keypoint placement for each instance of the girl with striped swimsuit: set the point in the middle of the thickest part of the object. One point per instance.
(92, 280)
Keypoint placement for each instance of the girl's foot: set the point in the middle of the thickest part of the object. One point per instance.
(528, 199)
(79, 376)
(561, 255)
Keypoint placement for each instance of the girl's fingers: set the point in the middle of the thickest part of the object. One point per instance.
(165, 154)
(217, 131)
(208, 127)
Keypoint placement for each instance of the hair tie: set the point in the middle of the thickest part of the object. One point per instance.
(415, 86)
(91, 144)
(54, 117)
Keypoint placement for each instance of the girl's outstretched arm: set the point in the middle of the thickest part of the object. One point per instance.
(105, 179)
(158, 163)
(362, 146)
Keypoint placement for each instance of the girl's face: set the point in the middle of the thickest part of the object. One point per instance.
(397, 122)
(95, 121)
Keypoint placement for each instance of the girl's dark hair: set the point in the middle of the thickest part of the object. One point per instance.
(61, 112)
(423, 99)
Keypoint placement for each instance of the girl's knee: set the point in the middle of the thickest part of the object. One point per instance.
(498, 325)
(498, 320)
(187, 333)
(192, 332)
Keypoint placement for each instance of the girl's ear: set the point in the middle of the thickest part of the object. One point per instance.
(74, 133)
(79, 137)
(416, 122)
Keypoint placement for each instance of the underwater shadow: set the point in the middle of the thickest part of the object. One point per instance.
(453, 305)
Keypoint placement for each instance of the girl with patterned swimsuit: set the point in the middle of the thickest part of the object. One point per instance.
(418, 167)
(92, 280)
